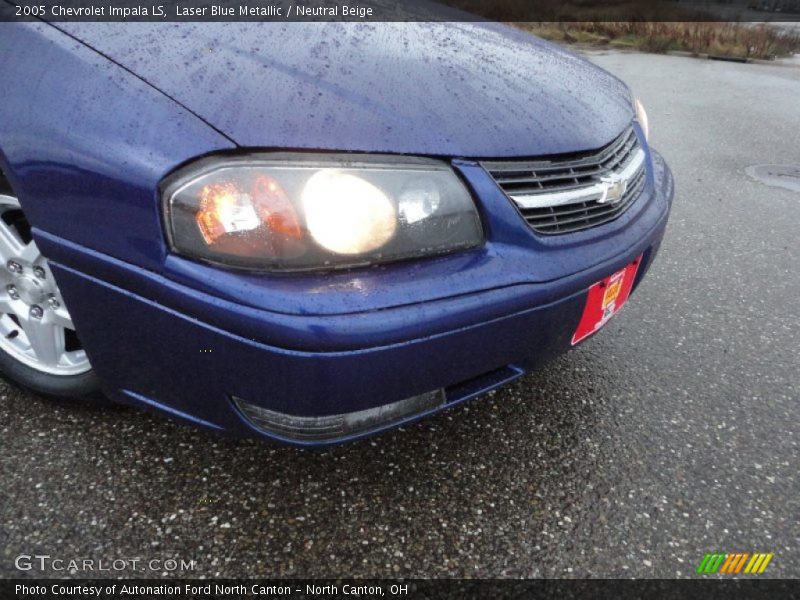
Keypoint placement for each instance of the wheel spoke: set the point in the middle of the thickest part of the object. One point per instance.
(75, 358)
(29, 253)
(5, 304)
(10, 245)
(61, 318)
(46, 340)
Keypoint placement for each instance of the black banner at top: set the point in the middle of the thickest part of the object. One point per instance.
(780, 11)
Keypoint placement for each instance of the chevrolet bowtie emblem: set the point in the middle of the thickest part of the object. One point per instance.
(614, 188)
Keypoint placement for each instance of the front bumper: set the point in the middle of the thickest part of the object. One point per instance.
(309, 379)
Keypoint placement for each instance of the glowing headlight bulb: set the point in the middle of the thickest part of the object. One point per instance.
(346, 214)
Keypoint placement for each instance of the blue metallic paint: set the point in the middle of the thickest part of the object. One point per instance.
(85, 143)
(306, 344)
(449, 89)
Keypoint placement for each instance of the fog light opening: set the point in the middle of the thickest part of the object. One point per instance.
(334, 427)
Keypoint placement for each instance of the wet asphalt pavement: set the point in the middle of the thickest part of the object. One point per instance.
(672, 433)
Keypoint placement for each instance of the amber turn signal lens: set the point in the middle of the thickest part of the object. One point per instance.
(220, 210)
(275, 208)
(224, 208)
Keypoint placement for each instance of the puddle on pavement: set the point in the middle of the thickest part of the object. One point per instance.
(785, 176)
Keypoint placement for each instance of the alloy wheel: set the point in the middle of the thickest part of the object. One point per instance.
(35, 327)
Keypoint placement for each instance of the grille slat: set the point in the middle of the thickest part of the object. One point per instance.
(531, 190)
(536, 180)
(567, 209)
(583, 216)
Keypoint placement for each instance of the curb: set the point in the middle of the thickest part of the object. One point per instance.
(753, 61)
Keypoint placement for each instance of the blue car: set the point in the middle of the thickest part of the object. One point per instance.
(310, 232)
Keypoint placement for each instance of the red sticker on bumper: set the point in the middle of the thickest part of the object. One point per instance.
(605, 299)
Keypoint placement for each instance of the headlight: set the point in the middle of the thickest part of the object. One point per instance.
(641, 116)
(297, 212)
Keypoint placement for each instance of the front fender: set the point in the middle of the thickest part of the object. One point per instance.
(84, 143)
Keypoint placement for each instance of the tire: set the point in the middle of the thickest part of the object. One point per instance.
(83, 387)
(39, 348)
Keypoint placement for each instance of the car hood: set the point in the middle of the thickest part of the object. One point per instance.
(450, 89)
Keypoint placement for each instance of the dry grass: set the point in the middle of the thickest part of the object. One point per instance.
(740, 40)
(652, 25)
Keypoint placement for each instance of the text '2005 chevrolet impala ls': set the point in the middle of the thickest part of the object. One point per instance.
(310, 232)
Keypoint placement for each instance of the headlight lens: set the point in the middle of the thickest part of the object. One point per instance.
(641, 116)
(298, 212)
(346, 214)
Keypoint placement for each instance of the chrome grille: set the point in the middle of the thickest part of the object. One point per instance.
(568, 193)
